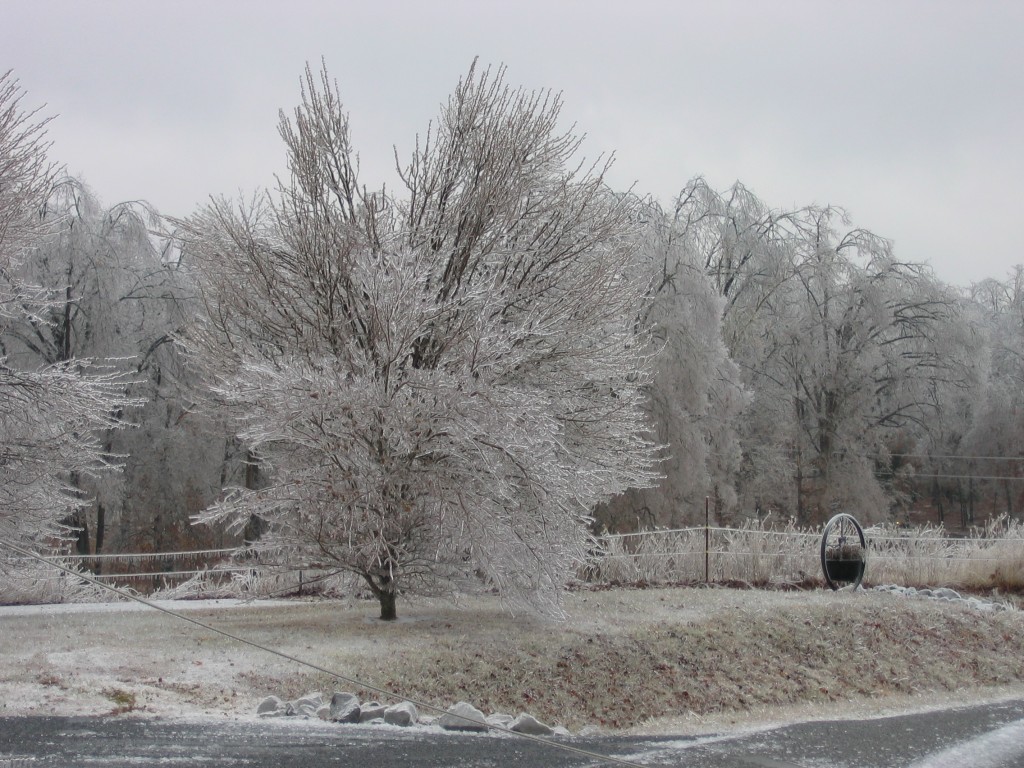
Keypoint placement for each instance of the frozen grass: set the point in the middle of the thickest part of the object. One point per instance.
(751, 555)
(30, 582)
(256, 583)
(27, 581)
(991, 560)
(624, 658)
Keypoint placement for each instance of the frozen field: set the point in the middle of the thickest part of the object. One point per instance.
(651, 661)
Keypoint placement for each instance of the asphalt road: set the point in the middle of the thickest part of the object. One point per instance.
(990, 736)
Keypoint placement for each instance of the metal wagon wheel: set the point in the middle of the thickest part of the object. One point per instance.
(843, 552)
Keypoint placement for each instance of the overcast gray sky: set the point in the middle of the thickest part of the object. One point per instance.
(909, 114)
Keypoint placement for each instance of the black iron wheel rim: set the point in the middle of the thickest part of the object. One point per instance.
(841, 531)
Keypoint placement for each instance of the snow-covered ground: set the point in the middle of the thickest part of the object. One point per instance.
(178, 606)
(88, 659)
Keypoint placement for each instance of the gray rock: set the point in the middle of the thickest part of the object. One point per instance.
(945, 594)
(308, 705)
(271, 706)
(463, 717)
(345, 708)
(562, 732)
(324, 713)
(530, 725)
(500, 720)
(404, 713)
(374, 710)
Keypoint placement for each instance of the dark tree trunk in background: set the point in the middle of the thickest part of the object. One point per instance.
(80, 531)
(101, 524)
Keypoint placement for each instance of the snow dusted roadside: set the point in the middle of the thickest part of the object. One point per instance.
(128, 606)
(656, 660)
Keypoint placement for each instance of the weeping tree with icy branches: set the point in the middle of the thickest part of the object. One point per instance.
(441, 383)
(51, 415)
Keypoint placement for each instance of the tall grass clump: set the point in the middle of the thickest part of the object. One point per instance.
(760, 555)
(757, 554)
(990, 558)
(26, 581)
(754, 554)
(649, 556)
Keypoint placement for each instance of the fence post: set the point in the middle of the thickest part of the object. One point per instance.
(707, 536)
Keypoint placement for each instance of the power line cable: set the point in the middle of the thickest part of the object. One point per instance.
(961, 477)
(952, 456)
(317, 668)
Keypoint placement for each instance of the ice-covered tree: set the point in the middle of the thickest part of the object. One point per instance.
(858, 350)
(847, 351)
(741, 245)
(116, 294)
(990, 446)
(695, 396)
(51, 414)
(440, 383)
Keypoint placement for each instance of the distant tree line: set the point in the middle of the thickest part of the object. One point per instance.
(472, 374)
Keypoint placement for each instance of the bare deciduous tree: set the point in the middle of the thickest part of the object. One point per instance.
(441, 383)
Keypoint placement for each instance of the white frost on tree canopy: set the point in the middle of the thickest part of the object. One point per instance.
(444, 382)
(50, 414)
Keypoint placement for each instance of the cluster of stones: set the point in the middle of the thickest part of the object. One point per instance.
(346, 708)
(943, 593)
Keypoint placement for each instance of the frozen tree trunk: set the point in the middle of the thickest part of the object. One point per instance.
(101, 532)
(388, 609)
(387, 598)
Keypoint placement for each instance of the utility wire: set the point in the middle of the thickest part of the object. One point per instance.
(302, 662)
(950, 456)
(962, 477)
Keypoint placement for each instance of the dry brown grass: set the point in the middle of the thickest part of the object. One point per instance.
(730, 661)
